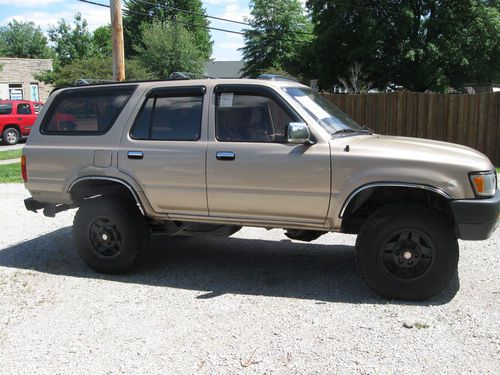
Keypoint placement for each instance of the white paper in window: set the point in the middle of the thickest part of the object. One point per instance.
(226, 100)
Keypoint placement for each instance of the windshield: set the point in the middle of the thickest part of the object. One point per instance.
(332, 119)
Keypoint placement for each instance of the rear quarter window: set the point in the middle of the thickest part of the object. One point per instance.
(90, 111)
(5, 108)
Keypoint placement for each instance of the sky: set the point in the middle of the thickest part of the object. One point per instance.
(47, 12)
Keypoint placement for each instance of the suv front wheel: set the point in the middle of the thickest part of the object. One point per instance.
(407, 252)
(109, 234)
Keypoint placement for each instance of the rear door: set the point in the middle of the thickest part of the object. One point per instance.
(25, 117)
(165, 149)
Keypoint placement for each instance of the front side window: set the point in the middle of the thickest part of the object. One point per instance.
(250, 118)
(169, 118)
(85, 111)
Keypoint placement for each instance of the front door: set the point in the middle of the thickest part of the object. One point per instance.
(165, 150)
(252, 172)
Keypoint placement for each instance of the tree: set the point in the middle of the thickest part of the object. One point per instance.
(356, 82)
(101, 39)
(168, 47)
(418, 44)
(189, 14)
(96, 67)
(23, 39)
(279, 31)
(71, 42)
(472, 50)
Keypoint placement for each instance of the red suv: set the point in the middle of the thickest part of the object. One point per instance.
(16, 119)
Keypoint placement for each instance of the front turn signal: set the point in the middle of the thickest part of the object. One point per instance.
(484, 183)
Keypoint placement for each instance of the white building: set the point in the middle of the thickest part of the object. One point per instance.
(17, 79)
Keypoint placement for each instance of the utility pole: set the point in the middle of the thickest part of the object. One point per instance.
(117, 38)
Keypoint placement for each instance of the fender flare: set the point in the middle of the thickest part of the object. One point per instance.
(113, 179)
(390, 184)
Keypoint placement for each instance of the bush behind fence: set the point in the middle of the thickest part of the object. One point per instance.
(471, 120)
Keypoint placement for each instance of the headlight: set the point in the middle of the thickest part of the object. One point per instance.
(484, 183)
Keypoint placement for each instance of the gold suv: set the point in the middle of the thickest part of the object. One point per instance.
(205, 157)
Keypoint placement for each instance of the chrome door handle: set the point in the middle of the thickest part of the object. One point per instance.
(225, 155)
(135, 154)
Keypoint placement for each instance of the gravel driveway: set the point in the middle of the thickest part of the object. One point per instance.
(253, 303)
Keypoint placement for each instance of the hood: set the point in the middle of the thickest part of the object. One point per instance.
(421, 150)
(379, 158)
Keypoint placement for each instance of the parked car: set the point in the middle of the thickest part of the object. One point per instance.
(205, 157)
(17, 118)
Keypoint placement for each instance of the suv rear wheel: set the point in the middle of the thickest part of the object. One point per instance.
(10, 136)
(109, 234)
(407, 252)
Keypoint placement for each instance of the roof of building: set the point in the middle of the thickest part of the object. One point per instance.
(224, 69)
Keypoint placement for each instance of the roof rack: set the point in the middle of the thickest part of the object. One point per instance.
(92, 81)
(188, 75)
(275, 77)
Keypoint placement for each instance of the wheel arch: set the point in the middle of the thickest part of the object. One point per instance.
(367, 198)
(89, 186)
(14, 126)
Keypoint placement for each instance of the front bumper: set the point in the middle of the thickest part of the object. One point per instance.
(476, 219)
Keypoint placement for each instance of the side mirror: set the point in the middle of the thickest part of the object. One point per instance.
(298, 133)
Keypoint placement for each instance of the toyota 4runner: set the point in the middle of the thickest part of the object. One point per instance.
(206, 157)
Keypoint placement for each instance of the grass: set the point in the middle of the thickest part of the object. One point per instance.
(10, 154)
(498, 170)
(418, 325)
(10, 173)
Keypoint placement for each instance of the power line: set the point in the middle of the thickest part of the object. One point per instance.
(176, 21)
(191, 12)
(198, 25)
(206, 15)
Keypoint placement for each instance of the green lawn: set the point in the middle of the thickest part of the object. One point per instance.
(10, 173)
(10, 154)
(498, 170)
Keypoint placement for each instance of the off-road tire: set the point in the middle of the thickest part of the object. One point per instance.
(10, 136)
(124, 227)
(375, 252)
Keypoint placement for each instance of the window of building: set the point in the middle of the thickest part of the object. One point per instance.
(16, 91)
(34, 92)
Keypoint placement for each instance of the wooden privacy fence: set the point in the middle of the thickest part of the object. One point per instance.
(471, 120)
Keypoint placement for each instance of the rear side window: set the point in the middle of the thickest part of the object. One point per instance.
(170, 118)
(23, 109)
(86, 111)
(5, 108)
